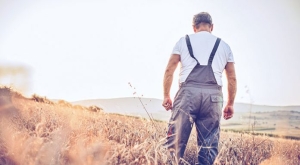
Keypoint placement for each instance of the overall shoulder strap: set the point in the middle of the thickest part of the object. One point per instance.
(213, 52)
(188, 43)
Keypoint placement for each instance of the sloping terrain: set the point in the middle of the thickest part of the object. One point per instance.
(272, 120)
(133, 106)
(38, 131)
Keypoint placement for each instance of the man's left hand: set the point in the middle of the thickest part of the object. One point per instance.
(167, 103)
(228, 112)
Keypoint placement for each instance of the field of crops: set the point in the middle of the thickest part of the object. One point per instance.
(38, 131)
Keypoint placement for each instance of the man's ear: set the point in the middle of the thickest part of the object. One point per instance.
(212, 27)
(194, 28)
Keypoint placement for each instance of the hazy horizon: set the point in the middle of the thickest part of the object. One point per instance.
(298, 105)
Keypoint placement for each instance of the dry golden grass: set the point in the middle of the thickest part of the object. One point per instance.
(38, 131)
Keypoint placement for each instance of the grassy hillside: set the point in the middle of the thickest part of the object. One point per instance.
(132, 106)
(274, 123)
(281, 121)
(38, 131)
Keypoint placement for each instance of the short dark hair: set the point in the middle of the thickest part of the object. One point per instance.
(202, 17)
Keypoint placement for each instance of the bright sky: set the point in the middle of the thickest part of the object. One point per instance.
(91, 49)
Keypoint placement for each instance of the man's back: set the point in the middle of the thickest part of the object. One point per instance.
(202, 44)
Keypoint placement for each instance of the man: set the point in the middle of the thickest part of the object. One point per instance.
(199, 100)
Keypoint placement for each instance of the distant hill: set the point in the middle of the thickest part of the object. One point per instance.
(244, 107)
(277, 120)
(133, 106)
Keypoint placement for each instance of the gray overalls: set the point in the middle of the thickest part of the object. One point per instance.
(199, 100)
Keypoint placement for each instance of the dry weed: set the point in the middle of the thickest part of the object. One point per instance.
(39, 132)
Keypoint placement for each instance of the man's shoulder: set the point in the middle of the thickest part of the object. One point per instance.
(181, 41)
(225, 45)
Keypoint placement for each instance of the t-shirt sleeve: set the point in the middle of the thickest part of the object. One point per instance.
(177, 48)
(230, 55)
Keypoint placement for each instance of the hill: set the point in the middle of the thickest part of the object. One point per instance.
(132, 106)
(271, 120)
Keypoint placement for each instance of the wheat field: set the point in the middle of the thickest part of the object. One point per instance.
(38, 131)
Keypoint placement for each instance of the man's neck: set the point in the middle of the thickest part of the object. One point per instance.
(203, 29)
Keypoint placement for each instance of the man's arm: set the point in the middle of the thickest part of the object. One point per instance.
(168, 79)
(231, 78)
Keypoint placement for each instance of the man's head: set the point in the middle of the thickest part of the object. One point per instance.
(202, 22)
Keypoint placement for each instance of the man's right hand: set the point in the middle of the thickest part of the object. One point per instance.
(167, 103)
(231, 78)
(228, 112)
(168, 78)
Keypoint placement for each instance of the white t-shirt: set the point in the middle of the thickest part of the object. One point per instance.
(202, 44)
